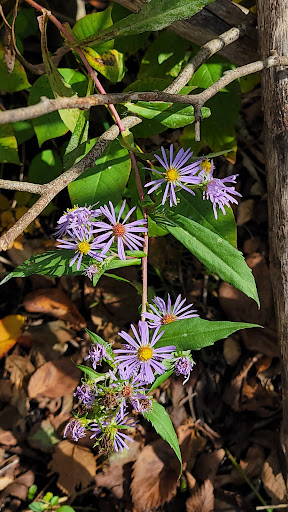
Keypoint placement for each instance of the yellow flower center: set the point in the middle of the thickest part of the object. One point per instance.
(69, 210)
(119, 230)
(171, 175)
(145, 353)
(84, 247)
(168, 319)
(206, 166)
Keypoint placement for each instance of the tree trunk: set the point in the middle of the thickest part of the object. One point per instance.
(273, 35)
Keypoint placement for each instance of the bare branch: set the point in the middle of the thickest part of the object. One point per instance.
(34, 188)
(54, 187)
(51, 105)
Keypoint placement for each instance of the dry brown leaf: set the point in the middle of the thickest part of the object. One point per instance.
(191, 443)
(75, 464)
(114, 475)
(54, 379)
(19, 488)
(54, 302)
(7, 438)
(256, 398)
(202, 500)
(208, 464)
(273, 480)
(252, 465)
(10, 329)
(231, 351)
(19, 367)
(245, 211)
(155, 476)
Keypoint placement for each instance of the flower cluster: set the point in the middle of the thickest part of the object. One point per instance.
(89, 236)
(179, 174)
(106, 398)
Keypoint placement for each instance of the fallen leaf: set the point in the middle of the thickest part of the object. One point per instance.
(10, 328)
(231, 350)
(252, 465)
(256, 398)
(155, 476)
(42, 437)
(7, 438)
(202, 500)
(273, 480)
(54, 302)
(207, 465)
(191, 443)
(19, 488)
(245, 211)
(19, 367)
(75, 464)
(54, 379)
(114, 475)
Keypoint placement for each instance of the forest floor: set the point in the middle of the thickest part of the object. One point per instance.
(227, 416)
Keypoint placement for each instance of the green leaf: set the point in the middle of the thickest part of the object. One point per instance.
(36, 506)
(91, 24)
(164, 56)
(8, 144)
(128, 45)
(214, 252)
(53, 263)
(169, 115)
(97, 339)
(17, 80)
(195, 333)
(51, 125)
(44, 167)
(160, 379)
(154, 15)
(201, 211)
(110, 63)
(106, 180)
(65, 508)
(23, 131)
(25, 23)
(91, 373)
(163, 425)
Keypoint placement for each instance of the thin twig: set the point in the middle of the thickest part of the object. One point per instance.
(34, 188)
(47, 105)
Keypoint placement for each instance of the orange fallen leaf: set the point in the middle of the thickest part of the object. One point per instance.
(54, 379)
(10, 328)
(54, 302)
(202, 500)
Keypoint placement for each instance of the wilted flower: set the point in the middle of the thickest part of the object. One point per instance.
(78, 216)
(140, 357)
(96, 353)
(183, 366)
(85, 394)
(134, 393)
(82, 243)
(75, 429)
(176, 174)
(91, 271)
(110, 432)
(166, 313)
(216, 190)
(121, 232)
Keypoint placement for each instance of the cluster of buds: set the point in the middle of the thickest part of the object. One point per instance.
(107, 398)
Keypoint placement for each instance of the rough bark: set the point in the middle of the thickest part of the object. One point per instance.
(214, 19)
(273, 35)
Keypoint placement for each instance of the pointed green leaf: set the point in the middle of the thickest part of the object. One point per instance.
(171, 116)
(163, 425)
(213, 251)
(195, 333)
(154, 15)
(91, 373)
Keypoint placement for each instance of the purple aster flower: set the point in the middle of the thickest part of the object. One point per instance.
(125, 234)
(85, 394)
(140, 357)
(82, 243)
(91, 271)
(110, 431)
(78, 216)
(75, 429)
(176, 174)
(183, 366)
(96, 353)
(166, 313)
(216, 190)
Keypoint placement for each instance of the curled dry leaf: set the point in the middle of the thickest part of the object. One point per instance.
(75, 464)
(273, 480)
(54, 302)
(54, 379)
(10, 329)
(19, 367)
(202, 500)
(155, 475)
